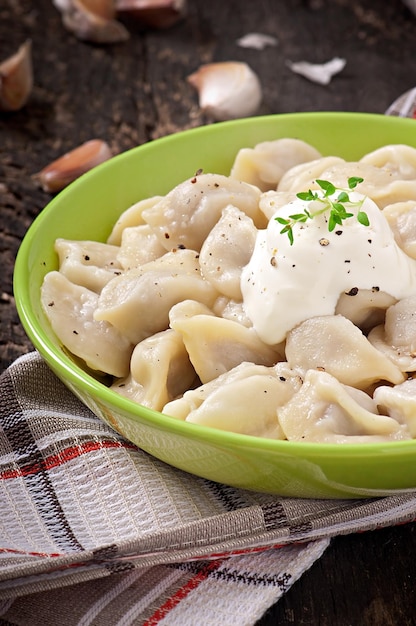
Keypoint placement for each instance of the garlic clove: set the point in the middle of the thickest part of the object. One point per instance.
(227, 90)
(92, 20)
(160, 14)
(16, 79)
(71, 165)
(103, 8)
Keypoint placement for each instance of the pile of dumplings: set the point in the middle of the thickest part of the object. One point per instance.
(159, 308)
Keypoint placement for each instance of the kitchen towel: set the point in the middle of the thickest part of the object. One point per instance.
(94, 531)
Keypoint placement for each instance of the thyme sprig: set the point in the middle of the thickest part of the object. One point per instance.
(338, 211)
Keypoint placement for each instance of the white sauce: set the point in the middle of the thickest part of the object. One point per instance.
(285, 284)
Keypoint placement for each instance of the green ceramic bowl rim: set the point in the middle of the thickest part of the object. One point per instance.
(66, 369)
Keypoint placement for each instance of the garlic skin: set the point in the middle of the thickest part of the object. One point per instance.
(256, 41)
(320, 73)
(16, 79)
(71, 165)
(159, 14)
(103, 8)
(227, 90)
(92, 20)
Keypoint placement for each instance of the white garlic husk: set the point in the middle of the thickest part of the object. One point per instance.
(16, 79)
(256, 41)
(320, 73)
(227, 90)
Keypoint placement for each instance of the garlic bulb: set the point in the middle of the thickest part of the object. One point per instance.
(227, 90)
(16, 79)
(71, 165)
(92, 20)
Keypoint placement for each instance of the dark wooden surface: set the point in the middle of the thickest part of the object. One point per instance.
(136, 91)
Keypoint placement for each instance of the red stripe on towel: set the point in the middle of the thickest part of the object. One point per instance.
(182, 592)
(68, 454)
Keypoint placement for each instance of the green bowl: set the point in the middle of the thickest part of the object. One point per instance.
(88, 208)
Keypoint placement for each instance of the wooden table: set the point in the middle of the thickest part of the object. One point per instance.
(136, 91)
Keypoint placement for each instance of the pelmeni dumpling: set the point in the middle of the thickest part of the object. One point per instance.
(265, 164)
(131, 217)
(139, 245)
(90, 264)
(271, 201)
(225, 251)
(399, 402)
(231, 309)
(160, 371)
(383, 187)
(243, 400)
(366, 308)
(185, 216)
(397, 338)
(303, 176)
(70, 310)
(334, 344)
(138, 301)
(396, 159)
(324, 410)
(216, 345)
(402, 219)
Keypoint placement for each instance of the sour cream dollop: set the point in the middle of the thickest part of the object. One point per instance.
(284, 284)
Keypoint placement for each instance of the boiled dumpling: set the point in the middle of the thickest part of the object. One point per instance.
(231, 309)
(324, 410)
(401, 356)
(160, 371)
(402, 219)
(399, 402)
(271, 201)
(400, 324)
(70, 310)
(382, 186)
(216, 345)
(131, 217)
(243, 400)
(332, 343)
(265, 164)
(398, 160)
(366, 309)
(90, 264)
(225, 251)
(397, 338)
(301, 177)
(138, 301)
(139, 245)
(185, 216)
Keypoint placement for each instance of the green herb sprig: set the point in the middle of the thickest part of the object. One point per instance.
(338, 212)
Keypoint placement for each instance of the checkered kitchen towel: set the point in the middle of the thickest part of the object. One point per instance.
(95, 531)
